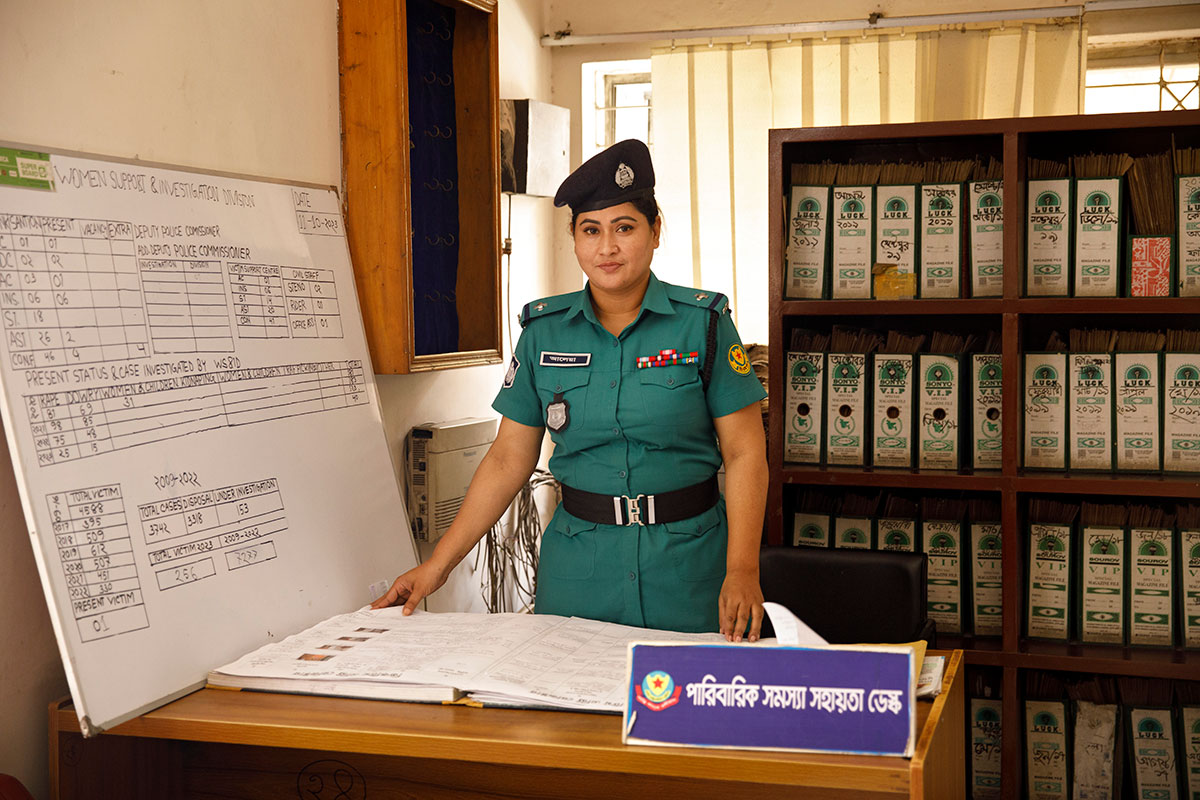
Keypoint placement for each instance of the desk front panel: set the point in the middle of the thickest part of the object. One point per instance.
(216, 743)
(134, 768)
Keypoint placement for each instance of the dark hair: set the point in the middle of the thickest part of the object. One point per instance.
(647, 206)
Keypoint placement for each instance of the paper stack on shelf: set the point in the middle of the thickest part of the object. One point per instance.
(1137, 367)
(807, 245)
(812, 521)
(985, 199)
(1150, 272)
(1100, 221)
(1103, 564)
(942, 543)
(846, 395)
(986, 398)
(852, 525)
(1047, 738)
(893, 376)
(984, 735)
(987, 569)
(1050, 581)
(1048, 230)
(1149, 721)
(939, 404)
(1187, 242)
(1098, 746)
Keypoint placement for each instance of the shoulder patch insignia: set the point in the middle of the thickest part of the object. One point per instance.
(511, 375)
(738, 361)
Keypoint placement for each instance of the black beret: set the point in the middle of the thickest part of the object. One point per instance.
(621, 174)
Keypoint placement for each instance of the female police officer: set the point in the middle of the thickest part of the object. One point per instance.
(638, 381)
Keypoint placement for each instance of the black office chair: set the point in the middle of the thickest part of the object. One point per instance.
(850, 596)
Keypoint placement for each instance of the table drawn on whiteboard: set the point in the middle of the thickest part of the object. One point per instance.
(96, 553)
(69, 291)
(274, 302)
(186, 306)
(235, 520)
(97, 556)
(78, 423)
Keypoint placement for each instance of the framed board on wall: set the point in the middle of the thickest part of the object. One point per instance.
(192, 416)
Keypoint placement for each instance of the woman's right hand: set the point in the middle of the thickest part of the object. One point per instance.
(504, 470)
(413, 586)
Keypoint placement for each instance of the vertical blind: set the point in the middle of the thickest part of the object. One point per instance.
(713, 106)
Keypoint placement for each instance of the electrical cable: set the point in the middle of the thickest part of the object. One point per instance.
(509, 564)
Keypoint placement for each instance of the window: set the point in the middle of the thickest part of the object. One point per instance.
(619, 106)
(1160, 78)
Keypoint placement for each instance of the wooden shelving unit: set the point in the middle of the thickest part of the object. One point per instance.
(1016, 318)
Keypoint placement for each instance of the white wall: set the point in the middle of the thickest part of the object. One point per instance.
(224, 85)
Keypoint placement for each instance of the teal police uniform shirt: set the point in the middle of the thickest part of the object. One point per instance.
(631, 431)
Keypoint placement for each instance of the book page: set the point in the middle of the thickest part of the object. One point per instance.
(538, 658)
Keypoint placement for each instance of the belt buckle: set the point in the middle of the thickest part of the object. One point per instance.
(633, 510)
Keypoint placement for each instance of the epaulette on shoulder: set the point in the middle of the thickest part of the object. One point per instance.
(547, 305)
(699, 298)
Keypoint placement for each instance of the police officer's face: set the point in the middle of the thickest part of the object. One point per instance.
(615, 245)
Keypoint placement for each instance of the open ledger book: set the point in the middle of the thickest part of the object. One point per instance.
(526, 660)
(497, 659)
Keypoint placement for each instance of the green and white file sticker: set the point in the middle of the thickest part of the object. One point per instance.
(25, 168)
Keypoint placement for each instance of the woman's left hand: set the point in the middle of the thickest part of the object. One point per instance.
(740, 604)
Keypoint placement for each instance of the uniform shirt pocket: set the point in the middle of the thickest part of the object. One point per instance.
(571, 383)
(568, 548)
(697, 545)
(673, 395)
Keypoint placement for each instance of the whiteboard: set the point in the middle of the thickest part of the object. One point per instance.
(192, 416)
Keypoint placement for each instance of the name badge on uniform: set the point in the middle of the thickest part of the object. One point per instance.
(558, 413)
(550, 359)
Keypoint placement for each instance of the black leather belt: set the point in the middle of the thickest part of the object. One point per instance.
(642, 509)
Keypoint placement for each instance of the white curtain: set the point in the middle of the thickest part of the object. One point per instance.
(714, 104)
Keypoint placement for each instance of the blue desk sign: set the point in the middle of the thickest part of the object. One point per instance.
(816, 699)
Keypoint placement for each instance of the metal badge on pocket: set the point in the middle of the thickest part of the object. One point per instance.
(558, 413)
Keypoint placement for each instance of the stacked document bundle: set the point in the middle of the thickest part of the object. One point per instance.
(1104, 225)
(1103, 400)
(1106, 738)
(498, 659)
(1121, 574)
(984, 733)
(893, 230)
(857, 397)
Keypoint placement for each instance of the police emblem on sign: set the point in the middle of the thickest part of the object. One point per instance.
(657, 691)
(558, 413)
(511, 375)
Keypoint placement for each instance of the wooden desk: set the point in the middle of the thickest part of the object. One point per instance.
(223, 744)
